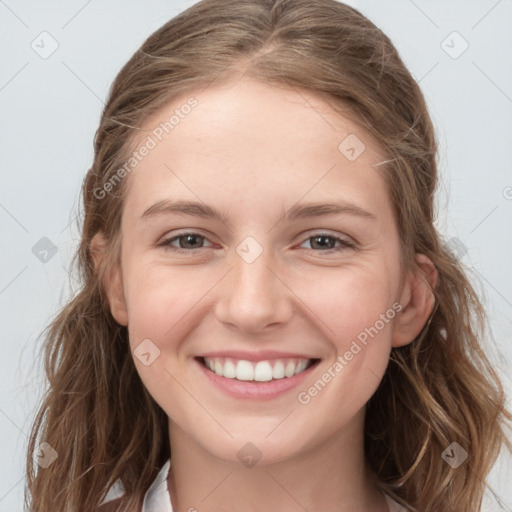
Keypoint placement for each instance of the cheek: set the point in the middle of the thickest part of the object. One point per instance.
(159, 300)
(341, 302)
(163, 305)
(350, 301)
(358, 309)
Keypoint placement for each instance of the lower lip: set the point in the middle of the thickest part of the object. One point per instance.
(256, 390)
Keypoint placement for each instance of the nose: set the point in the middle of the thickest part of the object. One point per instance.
(253, 296)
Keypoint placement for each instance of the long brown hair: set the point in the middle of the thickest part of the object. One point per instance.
(439, 389)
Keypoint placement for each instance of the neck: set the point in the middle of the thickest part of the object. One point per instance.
(332, 477)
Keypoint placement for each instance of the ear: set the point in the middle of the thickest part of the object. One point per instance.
(112, 280)
(417, 300)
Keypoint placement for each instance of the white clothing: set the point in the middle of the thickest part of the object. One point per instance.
(157, 498)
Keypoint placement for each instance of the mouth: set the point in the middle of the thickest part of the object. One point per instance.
(266, 370)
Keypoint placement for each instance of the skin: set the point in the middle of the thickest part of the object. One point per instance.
(253, 151)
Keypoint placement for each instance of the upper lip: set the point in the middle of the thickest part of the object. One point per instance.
(262, 355)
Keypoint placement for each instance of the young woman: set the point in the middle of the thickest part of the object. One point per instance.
(268, 319)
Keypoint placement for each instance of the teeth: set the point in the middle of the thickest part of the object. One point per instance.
(229, 370)
(244, 370)
(301, 367)
(278, 371)
(289, 371)
(218, 368)
(261, 371)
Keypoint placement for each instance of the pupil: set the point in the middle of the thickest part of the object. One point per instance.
(191, 237)
(324, 238)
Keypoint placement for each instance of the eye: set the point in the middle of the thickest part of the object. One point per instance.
(190, 241)
(326, 242)
(185, 241)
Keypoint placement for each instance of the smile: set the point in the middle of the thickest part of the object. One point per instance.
(259, 371)
(265, 375)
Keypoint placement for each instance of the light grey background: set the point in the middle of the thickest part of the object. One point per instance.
(50, 109)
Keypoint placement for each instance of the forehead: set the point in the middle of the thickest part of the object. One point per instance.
(246, 138)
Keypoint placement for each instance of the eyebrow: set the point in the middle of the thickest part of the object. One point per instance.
(299, 211)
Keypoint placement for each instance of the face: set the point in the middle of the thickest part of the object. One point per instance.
(294, 307)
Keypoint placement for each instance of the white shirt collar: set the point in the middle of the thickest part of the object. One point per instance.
(158, 499)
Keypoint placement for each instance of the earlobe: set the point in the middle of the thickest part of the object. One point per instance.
(417, 300)
(111, 277)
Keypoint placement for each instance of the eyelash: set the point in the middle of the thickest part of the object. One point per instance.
(166, 244)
